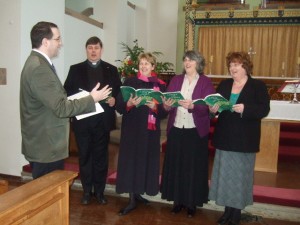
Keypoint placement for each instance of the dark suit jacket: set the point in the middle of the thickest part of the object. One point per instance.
(241, 132)
(44, 111)
(77, 79)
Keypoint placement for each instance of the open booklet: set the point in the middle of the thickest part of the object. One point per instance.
(128, 91)
(83, 94)
(208, 100)
(176, 96)
(213, 99)
(149, 94)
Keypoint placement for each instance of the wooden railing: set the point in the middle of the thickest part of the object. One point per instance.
(41, 201)
(3, 186)
(84, 18)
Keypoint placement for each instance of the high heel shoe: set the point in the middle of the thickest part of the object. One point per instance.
(176, 208)
(191, 211)
(222, 220)
(225, 217)
(126, 210)
(139, 198)
(231, 222)
(131, 206)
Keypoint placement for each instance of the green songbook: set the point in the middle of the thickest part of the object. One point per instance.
(157, 95)
(127, 91)
(213, 99)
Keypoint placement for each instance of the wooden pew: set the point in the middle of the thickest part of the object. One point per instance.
(41, 201)
(3, 186)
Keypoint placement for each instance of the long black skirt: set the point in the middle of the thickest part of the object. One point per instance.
(185, 169)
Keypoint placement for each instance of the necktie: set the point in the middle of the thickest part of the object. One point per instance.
(53, 68)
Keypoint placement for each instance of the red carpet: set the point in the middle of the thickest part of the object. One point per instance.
(277, 196)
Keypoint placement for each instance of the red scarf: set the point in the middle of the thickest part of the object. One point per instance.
(153, 79)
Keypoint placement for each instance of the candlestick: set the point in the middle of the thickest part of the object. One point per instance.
(283, 69)
(211, 58)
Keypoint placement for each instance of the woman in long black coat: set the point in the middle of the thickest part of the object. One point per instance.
(139, 154)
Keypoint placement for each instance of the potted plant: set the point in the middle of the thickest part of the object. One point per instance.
(129, 65)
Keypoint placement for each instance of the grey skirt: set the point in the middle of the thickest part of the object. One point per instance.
(232, 179)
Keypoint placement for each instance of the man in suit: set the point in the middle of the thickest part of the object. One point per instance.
(44, 107)
(92, 134)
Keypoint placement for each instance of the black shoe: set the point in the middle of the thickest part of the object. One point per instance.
(231, 222)
(176, 208)
(127, 210)
(223, 220)
(191, 211)
(86, 198)
(100, 198)
(139, 198)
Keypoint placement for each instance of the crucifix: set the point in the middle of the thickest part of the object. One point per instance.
(251, 52)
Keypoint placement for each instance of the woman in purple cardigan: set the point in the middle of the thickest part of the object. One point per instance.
(185, 170)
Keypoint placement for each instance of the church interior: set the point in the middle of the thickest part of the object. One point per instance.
(269, 31)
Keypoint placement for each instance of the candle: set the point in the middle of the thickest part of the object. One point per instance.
(211, 58)
(282, 67)
(298, 62)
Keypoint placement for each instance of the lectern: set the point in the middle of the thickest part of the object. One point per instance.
(291, 86)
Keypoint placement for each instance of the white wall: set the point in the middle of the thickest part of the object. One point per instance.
(10, 58)
(76, 34)
(46, 10)
(16, 22)
(162, 28)
(121, 24)
(153, 23)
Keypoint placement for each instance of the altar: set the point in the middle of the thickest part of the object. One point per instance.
(280, 111)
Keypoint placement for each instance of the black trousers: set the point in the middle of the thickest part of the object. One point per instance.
(92, 143)
(40, 169)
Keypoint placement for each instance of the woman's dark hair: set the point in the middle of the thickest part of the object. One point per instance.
(93, 41)
(240, 57)
(196, 56)
(40, 31)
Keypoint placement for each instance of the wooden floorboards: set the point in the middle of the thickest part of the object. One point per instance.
(152, 214)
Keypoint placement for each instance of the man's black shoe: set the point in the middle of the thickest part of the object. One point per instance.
(100, 198)
(86, 198)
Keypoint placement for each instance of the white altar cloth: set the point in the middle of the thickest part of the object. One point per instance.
(284, 110)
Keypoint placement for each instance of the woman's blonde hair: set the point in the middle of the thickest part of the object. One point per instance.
(148, 56)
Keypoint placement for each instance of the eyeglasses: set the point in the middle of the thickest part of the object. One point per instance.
(56, 39)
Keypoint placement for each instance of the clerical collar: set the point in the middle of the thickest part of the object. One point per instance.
(94, 64)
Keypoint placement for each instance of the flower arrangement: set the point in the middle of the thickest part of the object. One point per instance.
(129, 66)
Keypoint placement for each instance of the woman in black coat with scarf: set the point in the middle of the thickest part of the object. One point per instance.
(139, 154)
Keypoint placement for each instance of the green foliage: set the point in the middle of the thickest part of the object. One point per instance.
(129, 66)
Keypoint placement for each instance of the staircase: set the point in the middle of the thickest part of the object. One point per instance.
(289, 142)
